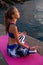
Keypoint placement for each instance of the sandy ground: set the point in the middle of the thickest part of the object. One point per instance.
(29, 39)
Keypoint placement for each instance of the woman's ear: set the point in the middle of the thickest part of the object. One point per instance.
(13, 16)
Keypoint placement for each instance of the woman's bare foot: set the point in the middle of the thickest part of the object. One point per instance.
(35, 47)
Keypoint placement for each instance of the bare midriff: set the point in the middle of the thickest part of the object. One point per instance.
(12, 41)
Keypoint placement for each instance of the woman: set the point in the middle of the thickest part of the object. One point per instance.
(15, 46)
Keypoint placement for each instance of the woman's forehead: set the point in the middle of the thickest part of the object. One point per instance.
(16, 10)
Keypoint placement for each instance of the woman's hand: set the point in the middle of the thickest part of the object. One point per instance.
(22, 33)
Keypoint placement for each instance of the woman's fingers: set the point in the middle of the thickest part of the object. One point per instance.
(24, 33)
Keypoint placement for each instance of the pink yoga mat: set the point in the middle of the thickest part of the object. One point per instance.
(34, 59)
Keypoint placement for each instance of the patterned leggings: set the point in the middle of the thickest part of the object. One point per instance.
(19, 51)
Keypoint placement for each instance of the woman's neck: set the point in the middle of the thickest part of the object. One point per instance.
(14, 21)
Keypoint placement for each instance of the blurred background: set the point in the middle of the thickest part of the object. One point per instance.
(31, 19)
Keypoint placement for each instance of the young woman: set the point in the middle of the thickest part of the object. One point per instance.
(16, 45)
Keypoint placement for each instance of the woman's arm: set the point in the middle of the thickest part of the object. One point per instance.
(15, 31)
(23, 32)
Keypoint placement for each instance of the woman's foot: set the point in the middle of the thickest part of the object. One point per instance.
(35, 47)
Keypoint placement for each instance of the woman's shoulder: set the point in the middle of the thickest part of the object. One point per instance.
(13, 26)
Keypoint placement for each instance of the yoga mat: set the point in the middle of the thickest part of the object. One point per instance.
(33, 59)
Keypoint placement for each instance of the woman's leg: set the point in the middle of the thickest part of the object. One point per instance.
(20, 52)
(12, 53)
(24, 52)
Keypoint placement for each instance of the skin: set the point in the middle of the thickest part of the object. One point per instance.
(13, 29)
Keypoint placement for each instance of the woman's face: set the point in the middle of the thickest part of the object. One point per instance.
(17, 14)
